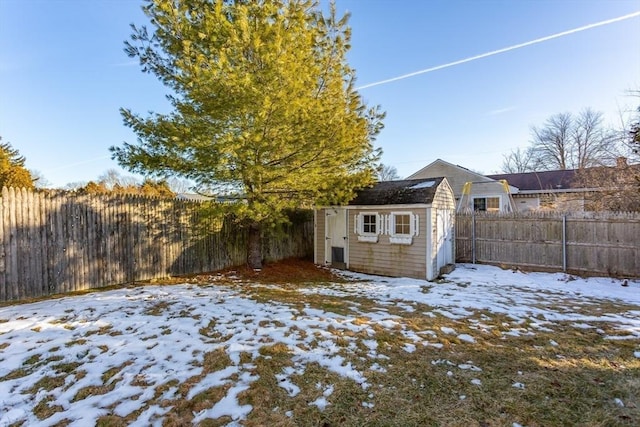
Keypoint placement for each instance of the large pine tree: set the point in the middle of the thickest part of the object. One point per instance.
(264, 105)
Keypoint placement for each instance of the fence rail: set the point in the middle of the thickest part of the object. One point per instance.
(60, 242)
(581, 243)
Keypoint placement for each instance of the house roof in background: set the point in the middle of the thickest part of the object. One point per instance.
(456, 175)
(193, 197)
(539, 181)
(439, 162)
(403, 192)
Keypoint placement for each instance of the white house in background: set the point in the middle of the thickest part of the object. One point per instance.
(481, 192)
(396, 228)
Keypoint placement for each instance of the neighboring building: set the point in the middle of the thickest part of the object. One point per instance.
(396, 228)
(590, 189)
(552, 190)
(562, 190)
(480, 192)
(193, 197)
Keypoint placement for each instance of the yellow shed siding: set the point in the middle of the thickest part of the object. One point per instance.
(383, 257)
(443, 198)
(419, 260)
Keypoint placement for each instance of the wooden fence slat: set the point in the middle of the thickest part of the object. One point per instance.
(3, 248)
(77, 245)
(119, 237)
(33, 206)
(65, 218)
(158, 238)
(72, 256)
(111, 222)
(88, 241)
(36, 242)
(95, 241)
(27, 241)
(605, 244)
(116, 237)
(13, 247)
(173, 237)
(131, 240)
(50, 249)
(98, 207)
(42, 231)
(51, 244)
(101, 251)
(22, 234)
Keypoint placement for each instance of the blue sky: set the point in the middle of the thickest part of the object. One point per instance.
(64, 75)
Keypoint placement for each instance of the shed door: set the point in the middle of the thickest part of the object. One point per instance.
(336, 239)
(444, 237)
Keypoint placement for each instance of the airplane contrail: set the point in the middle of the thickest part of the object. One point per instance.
(82, 162)
(505, 49)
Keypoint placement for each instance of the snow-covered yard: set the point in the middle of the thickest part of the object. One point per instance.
(172, 354)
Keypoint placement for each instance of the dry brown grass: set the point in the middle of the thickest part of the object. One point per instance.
(570, 375)
(568, 384)
(573, 382)
(290, 271)
(44, 410)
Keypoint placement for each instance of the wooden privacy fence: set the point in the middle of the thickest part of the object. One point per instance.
(581, 243)
(56, 242)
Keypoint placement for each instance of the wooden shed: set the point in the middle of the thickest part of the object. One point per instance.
(396, 228)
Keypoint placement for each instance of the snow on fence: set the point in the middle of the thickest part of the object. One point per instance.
(57, 242)
(580, 243)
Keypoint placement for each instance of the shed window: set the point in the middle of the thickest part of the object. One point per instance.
(402, 224)
(367, 226)
(402, 227)
(369, 223)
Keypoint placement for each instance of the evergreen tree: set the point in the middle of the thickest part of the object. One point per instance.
(12, 170)
(264, 106)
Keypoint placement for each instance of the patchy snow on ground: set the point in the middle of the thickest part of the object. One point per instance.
(154, 336)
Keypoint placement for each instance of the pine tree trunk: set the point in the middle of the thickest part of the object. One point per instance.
(254, 249)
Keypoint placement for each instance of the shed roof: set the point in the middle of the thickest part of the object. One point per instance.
(403, 192)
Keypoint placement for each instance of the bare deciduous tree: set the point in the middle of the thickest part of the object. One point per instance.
(551, 143)
(583, 142)
(618, 188)
(112, 179)
(39, 181)
(592, 143)
(519, 161)
(567, 141)
(387, 173)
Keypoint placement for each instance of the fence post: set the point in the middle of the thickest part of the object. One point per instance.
(564, 243)
(473, 237)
